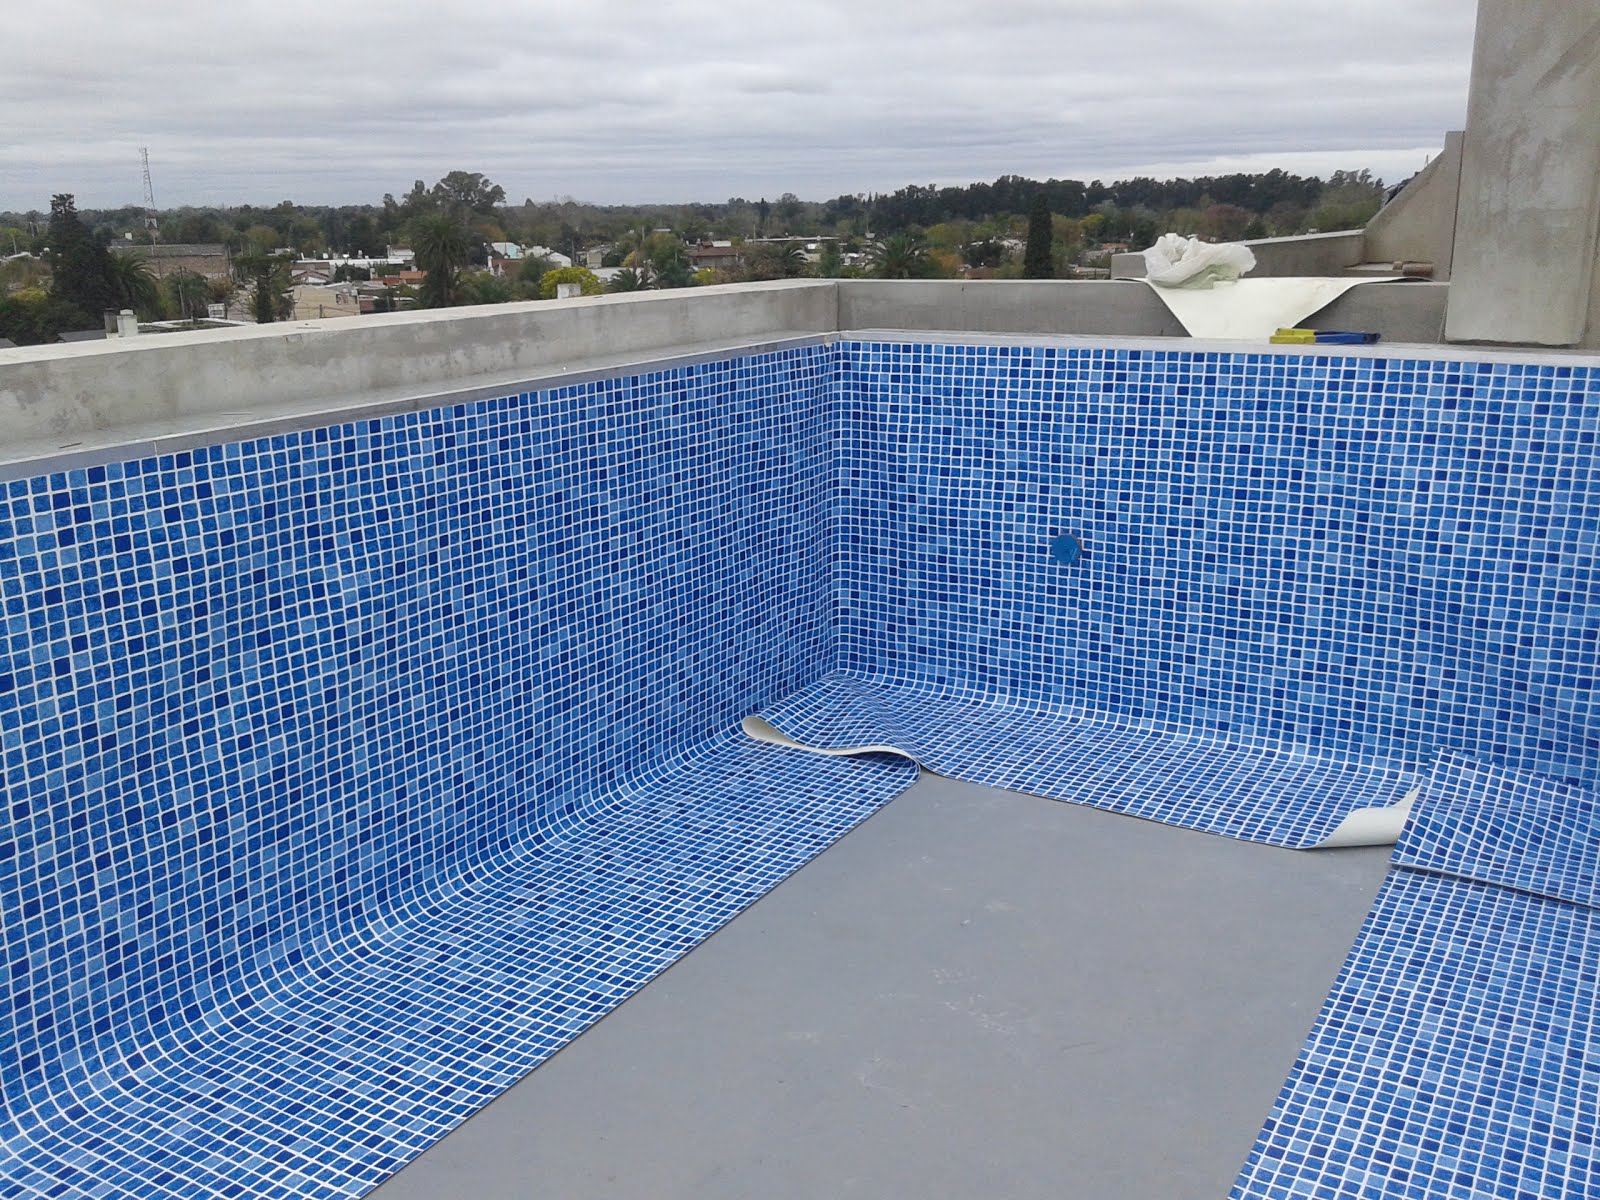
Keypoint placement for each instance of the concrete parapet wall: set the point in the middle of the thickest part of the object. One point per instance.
(159, 394)
(53, 397)
(1419, 225)
(1400, 312)
(1049, 306)
(1309, 254)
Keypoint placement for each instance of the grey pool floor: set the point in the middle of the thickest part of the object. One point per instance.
(975, 994)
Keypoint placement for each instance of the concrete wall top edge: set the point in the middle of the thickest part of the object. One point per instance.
(1428, 351)
(72, 406)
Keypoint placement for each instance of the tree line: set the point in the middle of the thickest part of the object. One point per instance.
(917, 230)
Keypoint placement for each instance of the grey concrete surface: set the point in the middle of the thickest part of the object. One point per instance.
(292, 410)
(1529, 214)
(1419, 225)
(57, 395)
(1034, 306)
(977, 994)
(1410, 313)
(1308, 254)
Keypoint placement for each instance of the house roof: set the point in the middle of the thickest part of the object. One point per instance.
(176, 250)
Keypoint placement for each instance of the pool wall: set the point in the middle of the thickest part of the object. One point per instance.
(258, 697)
(1367, 557)
(262, 700)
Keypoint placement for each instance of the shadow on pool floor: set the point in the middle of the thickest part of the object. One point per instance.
(975, 994)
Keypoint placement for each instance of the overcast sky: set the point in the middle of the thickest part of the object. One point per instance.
(612, 101)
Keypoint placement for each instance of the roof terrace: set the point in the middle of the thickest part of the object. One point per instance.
(384, 704)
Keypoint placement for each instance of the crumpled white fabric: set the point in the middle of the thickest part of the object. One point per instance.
(1177, 261)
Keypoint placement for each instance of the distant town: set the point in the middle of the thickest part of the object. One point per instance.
(68, 274)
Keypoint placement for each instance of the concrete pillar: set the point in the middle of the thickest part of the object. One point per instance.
(1528, 221)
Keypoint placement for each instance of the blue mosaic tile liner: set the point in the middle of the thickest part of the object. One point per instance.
(1365, 559)
(1458, 1054)
(296, 729)
(1219, 785)
(380, 1043)
(1510, 828)
(269, 710)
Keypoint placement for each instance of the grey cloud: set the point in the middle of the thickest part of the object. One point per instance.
(616, 101)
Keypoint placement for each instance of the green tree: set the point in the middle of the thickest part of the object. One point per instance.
(268, 275)
(133, 285)
(463, 194)
(675, 272)
(79, 269)
(532, 270)
(1349, 201)
(31, 316)
(899, 256)
(585, 278)
(221, 291)
(830, 263)
(263, 304)
(630, 279)
(189, 295)
(1036, 259)
(790, 259)
(442, 247)
(363, 237)
(480, 287)
(260, 239)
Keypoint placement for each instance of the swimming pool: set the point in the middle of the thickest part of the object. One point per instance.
(354, 769)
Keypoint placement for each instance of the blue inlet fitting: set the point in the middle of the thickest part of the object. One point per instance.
(1065, 549)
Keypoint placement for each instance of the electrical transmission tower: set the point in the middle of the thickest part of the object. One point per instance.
(149, 195)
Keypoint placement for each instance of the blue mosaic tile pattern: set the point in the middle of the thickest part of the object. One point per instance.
(1510, 828)
(1366, 559)
(384, 1041)
(261, 703)
(1224, 786)
(349, 772)
(1457, 1056)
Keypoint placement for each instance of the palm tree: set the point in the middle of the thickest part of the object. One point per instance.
(132, 284)
(900, 256)
(189, 294)
(441, 247)
(672, 268)
(631, 279)
(789, 259)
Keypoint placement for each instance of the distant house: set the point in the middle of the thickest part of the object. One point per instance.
(209, 259)
(312, 302)
(717, 256)
(595, 257)
(554, 258)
